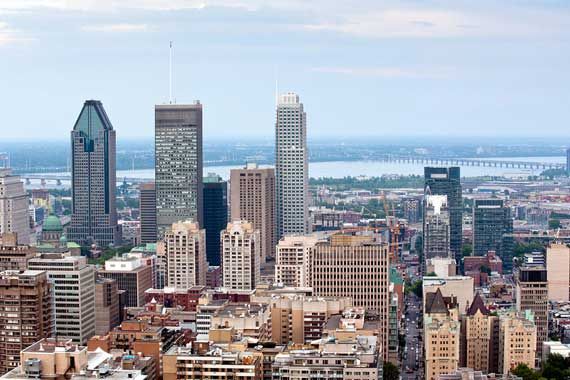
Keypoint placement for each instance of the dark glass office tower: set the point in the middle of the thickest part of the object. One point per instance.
(447, 181)
(94, 217)
(215, 215)
(178, 164)
(493, 230)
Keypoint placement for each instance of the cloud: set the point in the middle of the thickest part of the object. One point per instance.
(116, 28)
(388, 72)
(9, 35)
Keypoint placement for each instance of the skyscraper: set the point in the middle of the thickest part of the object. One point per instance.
(73, 294)
(447, 181)
(436, 227)
(558, 267)
(240, 256)
(492, 229)
(532, 295)
(252, 196)
(291, 161)
(93, 182)
(178, 163)
(147, 205)
(25, 299)
(215, 214)
(185, 246)
(14, 206)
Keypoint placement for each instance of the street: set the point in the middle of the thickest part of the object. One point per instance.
(412, 359)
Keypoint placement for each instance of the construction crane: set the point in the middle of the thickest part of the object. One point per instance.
(393, 226)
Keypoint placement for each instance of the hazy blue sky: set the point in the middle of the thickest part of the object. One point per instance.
(368, 67)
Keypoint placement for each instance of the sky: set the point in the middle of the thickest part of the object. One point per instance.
(362, 68)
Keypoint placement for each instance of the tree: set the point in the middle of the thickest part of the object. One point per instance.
(553, 224)
(466, 250)
(431, 274)
(522, 370)
(485, 269)
(391, 372)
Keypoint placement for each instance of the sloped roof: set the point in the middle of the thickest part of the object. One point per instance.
(477, 304)
(435, 303)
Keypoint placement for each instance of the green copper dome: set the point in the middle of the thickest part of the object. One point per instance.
(52, 224)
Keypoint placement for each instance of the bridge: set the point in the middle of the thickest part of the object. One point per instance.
(58, 178)
(474, 162)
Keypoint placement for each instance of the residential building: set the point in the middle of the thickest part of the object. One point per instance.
(436, 227)
(558, 268)
(215, 215)
(13, 255)
(441, 266)
(441, 335)
(447, 181)
(240, 256)
(178, 163)
(291, 166)
(249, 320)
(93, 178)
(252, 198)
(185, 299)
(493, 229)
(14, 206)
(477, 330)
(131, 275)
(301, 319)
(532, 295)
(205, 361)
(354, 264)
(147, 206)
(517, 341)
(185, 248)
(73, 282)
(107, 311)
(26, 303)
(294, 260)
(357, 359)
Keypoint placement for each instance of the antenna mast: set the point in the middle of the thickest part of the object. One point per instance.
(170, 74)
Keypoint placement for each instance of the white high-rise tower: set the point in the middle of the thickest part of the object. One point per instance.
(292, 170)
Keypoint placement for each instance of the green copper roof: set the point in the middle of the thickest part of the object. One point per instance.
(52, 224)
(395, 277)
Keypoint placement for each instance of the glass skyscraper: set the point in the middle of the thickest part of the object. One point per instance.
(215, 215)
(493, 229)
(178, 164)
(94, 216)
(447, 181)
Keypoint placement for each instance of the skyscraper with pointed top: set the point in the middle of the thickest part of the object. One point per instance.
(94, 216)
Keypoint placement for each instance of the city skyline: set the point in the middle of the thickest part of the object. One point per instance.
(423, 68)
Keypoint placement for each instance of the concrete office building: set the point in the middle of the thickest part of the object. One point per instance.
(294, 260)
(493, 229)
(215, 214)
(517, 341)
(354, 264)
(147, 205)
(240, 256)
(291, 166)
(131, 275)
(558, 268)
(14, 206)
(447, 181)
(107, 313)
(73, 294)
(436, 227)
(252, 198)
(93, 178)
(25, 300)
(185, 249)
(532, 295)
(178, 163)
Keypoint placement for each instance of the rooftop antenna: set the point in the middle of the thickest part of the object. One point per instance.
(170, 74)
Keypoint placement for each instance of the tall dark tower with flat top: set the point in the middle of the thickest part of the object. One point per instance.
(94, 216)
